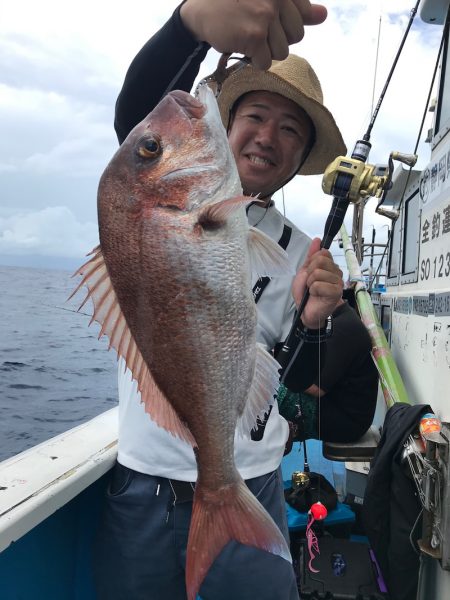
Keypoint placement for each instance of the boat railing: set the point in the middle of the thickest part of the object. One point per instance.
(37, 482)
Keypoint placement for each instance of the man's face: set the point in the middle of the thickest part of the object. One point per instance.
(268, 137)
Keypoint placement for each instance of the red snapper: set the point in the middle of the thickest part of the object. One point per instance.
(171, 288)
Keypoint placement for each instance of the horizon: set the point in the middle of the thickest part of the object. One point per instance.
(29, 261)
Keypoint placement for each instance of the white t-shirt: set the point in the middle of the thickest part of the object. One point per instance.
(147, 448)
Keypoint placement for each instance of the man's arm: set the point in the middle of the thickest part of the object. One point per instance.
(262, 30)
(347, 349)
(170, 60)
(303, 371)
(324, 280)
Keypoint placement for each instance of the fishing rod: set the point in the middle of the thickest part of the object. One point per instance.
(393, 215)
(391, 72)
(348, 179)
(390, 378)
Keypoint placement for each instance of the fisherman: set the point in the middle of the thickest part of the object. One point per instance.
(277, 127)
(340, 405)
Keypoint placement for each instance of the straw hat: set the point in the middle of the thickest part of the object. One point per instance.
(294, 79)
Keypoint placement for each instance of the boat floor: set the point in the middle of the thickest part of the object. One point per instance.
(29, 565)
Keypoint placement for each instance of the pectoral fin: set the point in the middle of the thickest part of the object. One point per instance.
(216, 214)
(108, 313)
(267, 257)
(262, 392)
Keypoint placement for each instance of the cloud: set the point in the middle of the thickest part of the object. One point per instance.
(39, 123)
(62, 67)
(28, 63)
(53, 231)
(343, 51)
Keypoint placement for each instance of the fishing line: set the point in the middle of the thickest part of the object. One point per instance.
(317, 510)
(413, 13)
(341, 200)
(264, 213)
(77, 312)
(319, 385)
(341, 191)
(376, 65)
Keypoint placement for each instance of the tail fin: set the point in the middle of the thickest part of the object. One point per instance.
(217, 518)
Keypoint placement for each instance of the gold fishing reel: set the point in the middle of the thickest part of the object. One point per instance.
(351, 178)
(300, 480)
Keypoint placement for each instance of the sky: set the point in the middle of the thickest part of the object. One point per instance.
(62, 66)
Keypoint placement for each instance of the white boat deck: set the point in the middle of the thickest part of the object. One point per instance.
(37, 482)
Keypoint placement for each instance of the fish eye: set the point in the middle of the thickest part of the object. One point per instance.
(149, 147)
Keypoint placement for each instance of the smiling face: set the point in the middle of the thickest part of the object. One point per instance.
(269, 136)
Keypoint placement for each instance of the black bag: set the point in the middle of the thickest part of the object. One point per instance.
(319, 489)
(347, 570)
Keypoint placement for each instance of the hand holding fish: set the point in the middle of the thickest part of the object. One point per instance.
(324, 279)
(261, 30)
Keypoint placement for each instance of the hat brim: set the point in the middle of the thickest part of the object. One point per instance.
(328, 140)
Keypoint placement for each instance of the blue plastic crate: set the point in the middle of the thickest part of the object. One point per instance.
(294, 461)
(341, 515)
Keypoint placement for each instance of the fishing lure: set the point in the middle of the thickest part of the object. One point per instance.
(317, 512)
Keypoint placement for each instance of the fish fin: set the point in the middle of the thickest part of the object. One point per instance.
(262, 391)
(161, 411)
(219, 212)
(267, 257)
(231, 513)
(108, 313)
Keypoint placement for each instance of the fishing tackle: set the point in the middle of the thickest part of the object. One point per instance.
(347, 179)
(222, 72)
(317, 512)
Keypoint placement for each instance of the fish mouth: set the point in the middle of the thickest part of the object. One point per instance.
(189, 171)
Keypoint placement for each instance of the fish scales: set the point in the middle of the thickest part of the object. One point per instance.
(171, 287)
(196, 355)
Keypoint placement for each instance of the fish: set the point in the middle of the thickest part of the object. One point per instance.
(171, 288)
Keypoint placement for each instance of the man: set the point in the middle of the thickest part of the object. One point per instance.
(276, 129)
(340, 405)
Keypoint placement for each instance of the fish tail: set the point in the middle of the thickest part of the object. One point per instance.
(231, 513)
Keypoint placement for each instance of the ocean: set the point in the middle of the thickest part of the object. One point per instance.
(54, 372)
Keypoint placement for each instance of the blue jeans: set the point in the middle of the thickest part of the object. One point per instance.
(140, 548)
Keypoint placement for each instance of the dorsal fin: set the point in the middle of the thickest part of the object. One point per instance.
(267, 257)
(262, 391)
(108, 313)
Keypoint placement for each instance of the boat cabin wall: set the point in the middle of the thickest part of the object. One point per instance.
(415, 310)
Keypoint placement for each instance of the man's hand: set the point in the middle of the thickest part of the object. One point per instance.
(260, 29)
(324, 279)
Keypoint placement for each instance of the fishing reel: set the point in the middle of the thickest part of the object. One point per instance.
(353, 179)
(361, 180)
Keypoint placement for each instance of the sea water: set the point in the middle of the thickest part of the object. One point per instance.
(54, 371)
